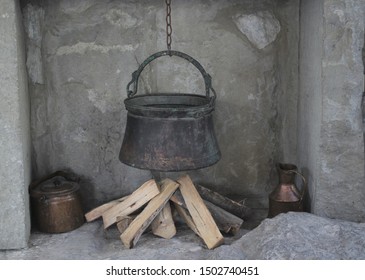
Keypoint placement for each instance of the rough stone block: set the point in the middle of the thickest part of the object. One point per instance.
(261, 28)
(330, 118)
(304, 236)
(15, 134)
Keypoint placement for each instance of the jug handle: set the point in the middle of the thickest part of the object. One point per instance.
(207, 78)
(304, 188)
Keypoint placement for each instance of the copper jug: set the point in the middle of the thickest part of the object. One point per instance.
(286, 196)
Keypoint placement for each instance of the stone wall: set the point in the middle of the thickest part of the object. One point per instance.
(15, 133)
(80, 58)
(330, 125)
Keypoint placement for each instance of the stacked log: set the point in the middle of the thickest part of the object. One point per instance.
(207, 213)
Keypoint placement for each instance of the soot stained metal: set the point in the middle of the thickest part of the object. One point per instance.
(169, 132)
(172, 131)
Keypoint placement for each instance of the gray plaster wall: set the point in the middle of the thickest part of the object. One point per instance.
(288, 81)
(310, 88)
(15, 132)
(80, 56)
(330, 118)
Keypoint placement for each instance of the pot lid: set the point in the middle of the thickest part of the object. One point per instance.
(56, 186)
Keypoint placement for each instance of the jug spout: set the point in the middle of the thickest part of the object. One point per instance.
(287, 173)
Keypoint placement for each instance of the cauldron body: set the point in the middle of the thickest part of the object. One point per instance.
(170, 132)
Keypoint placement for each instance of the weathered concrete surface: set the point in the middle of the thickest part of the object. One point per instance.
(88, 51)
(304, 236)
(288, 76)
(330, 126)
(342, 144)
(310, 89)
(90, 242)
(287, 236)
(14, 127)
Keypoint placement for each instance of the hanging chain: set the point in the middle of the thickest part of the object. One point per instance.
(168, 24)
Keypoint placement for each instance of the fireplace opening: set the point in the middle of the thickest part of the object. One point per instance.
(288, 77)
(80, 57)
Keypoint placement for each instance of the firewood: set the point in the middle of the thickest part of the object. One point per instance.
(132, 234)
(226, 221)
(98, 211)
(163, 225)
(187, 218)
(200, 214)
(223, 202)
(123, 222)
(136, 200)
(177, 199)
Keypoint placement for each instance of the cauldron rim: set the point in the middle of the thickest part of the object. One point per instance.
(169, 104)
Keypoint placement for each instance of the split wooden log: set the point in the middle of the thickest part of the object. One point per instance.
(177, 199)
(98, 211)
(223, 202)
(226, 222)
(187, 218)
(123, 223)
(163, 225)
(136, 200)
(200, 214)
(132, 234)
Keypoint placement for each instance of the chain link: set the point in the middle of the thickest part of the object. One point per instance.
(168, 24)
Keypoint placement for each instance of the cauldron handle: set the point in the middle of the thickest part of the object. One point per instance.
(207, 78)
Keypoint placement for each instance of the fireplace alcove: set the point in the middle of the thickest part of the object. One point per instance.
(288, 75)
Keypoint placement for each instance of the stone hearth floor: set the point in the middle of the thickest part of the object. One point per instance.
(90, 241)
(288, 236)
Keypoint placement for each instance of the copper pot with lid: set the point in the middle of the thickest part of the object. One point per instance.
(56, 204)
